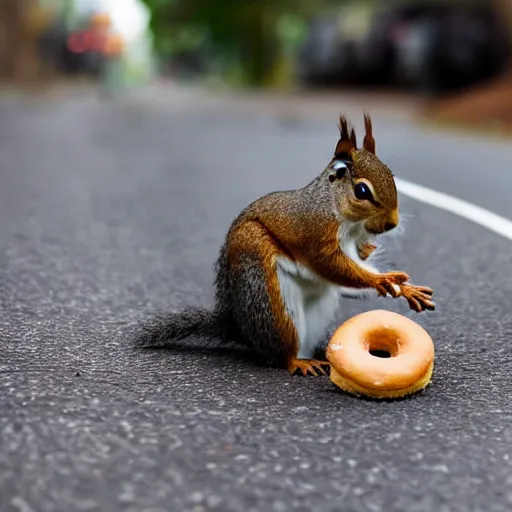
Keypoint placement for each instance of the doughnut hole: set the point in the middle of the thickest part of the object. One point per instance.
(383, 342)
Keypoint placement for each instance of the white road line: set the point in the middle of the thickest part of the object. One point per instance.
(469, 211)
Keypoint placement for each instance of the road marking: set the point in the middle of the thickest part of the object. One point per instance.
(469, 211)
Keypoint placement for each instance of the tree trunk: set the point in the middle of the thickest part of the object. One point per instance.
(505, 8)
(259, 42)
(19, 60)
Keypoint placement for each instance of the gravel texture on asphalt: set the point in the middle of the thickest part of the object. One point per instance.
(109, 212)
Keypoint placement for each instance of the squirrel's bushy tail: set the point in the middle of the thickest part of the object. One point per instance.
(163, 329)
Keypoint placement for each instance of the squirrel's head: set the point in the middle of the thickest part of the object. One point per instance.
(363, 186)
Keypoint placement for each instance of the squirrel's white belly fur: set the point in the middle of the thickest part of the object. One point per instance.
(310, 300)
(350, 236)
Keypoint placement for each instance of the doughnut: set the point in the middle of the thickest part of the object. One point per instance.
(380, 354)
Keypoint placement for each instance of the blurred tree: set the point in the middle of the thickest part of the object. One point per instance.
(504, 7)
(247, 30)
(21, 21)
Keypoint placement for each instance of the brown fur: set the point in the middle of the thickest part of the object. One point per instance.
(366, 250)
(365, 166)
(370, 167)
(303, 226)
(252, 236)
(369, 141)
(348, 140)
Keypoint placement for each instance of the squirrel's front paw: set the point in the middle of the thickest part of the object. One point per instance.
(391, 282)
(365, 250)
(418, 297)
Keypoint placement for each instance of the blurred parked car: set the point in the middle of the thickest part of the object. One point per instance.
(433, 46)
(328, 54)
(448, 46)
(83, 50)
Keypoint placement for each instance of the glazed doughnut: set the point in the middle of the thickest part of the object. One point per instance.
(406, 367)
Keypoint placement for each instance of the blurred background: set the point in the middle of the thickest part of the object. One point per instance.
(432, 49)
(46, 41)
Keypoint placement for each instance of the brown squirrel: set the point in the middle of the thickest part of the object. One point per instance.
(290, 255)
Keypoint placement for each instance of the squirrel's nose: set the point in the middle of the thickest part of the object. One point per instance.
(392, 221)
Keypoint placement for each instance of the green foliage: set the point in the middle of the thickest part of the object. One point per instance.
(252, 32)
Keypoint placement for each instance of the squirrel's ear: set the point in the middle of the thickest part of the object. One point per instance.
(347, 142)
(353, 138)
(369, 141)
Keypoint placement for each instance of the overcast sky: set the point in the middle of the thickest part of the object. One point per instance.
(129, 16)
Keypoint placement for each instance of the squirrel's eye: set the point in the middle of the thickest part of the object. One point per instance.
(363, 192)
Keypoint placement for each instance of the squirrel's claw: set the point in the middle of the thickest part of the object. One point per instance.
(365, 250)
(391, 283)
(418, 297)
(306, 366)
(423, 289)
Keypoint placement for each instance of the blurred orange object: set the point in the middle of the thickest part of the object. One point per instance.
(100, 20)
(114, 45)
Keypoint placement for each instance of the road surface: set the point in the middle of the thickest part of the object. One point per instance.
(109, 211)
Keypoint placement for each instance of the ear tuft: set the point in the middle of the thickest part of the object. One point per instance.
(347, 141)
(369, 141)
(353, 138)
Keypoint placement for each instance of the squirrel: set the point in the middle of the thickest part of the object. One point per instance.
(290, 255)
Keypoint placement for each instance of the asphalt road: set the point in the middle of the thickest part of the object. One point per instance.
(111, 211)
